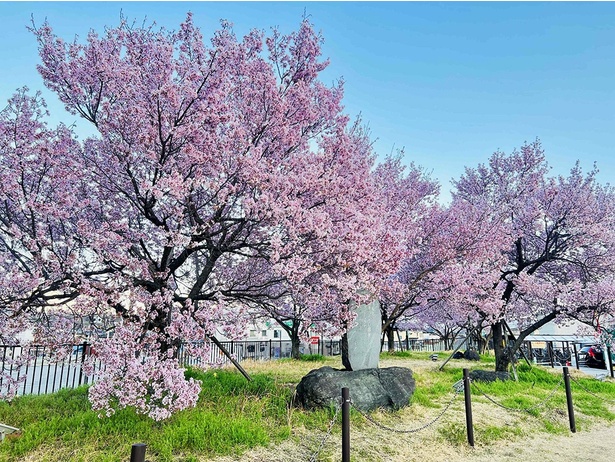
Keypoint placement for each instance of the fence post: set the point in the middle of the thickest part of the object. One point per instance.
(345, 425)
(468, 405)
(84, 345)
(137, 454)
(576, 356)
(573, 427)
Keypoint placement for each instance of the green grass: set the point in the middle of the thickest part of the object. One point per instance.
(234, 415)
(312, 358)
(536, 385)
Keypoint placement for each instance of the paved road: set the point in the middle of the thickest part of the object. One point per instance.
(598, 373)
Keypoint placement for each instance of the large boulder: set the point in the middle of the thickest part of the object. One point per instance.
(471, 355)
(370, 389)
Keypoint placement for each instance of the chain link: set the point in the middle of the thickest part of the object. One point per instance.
(590, 392)
(422, 427)
(327, 435)
(516, 409)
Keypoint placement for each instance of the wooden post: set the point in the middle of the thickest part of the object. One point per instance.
(230, 357)
(401, 345)
(529, 347)
(573, 427)
(514, 339)
(345, 425)
(137, 454)
(84, 345)
(468, 405)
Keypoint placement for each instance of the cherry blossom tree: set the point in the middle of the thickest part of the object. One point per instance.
(223, 177)
(557, 244)
(400, 200)
(433, 276)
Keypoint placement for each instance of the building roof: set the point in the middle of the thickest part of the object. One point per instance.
(572, 338)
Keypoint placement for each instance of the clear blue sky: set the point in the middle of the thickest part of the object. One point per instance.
(450, 82)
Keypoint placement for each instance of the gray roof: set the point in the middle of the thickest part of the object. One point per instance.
(572, 338)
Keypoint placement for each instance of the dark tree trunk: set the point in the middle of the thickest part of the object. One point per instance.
(293, 333)
(295, 344)
(500, 349)
(345, 358)
(504, 352)
(390, 339)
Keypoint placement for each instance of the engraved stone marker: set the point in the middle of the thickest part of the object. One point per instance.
(364, 337)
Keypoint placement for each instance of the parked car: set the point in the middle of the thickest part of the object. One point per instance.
(592, 356)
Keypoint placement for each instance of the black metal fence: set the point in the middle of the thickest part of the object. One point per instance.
(417, 345)
(38, 369)
(262, 350)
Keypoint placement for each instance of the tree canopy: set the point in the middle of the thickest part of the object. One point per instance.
(226, 182)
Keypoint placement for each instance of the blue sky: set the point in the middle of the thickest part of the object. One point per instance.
(449, 82)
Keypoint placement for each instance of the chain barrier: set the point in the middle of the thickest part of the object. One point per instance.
(590, 392)
(516, 409)
(458, 388)
(327, 435)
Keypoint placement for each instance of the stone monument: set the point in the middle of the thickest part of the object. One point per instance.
(364, 337)
(370, 387)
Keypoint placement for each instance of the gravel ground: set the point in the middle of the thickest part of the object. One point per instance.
(597, 445)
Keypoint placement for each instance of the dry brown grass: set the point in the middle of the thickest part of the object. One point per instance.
(519, 436)
(500, 435)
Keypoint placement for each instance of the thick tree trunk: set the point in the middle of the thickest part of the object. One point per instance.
(345, 358)
(391, 339)
(293, 333)
(502, 358)
(295, 342)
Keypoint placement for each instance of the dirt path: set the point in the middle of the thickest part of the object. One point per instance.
(597, 445)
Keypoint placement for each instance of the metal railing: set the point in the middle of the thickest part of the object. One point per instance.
(417, 345)
(258, 350)
(38, 369)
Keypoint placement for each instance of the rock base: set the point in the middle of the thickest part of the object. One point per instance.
(389, 388)
(488, 376)
(471, 355)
